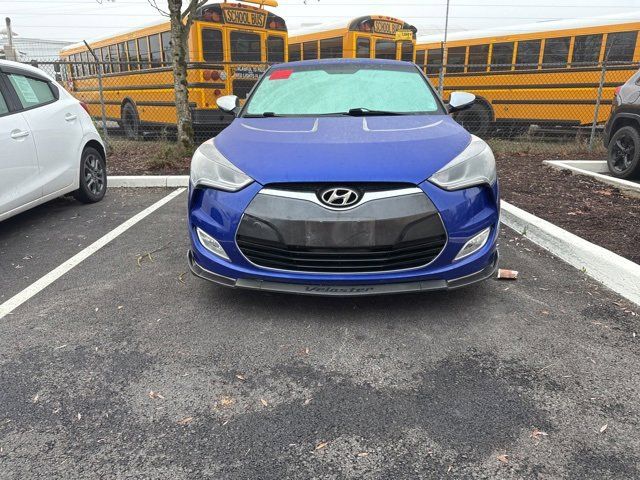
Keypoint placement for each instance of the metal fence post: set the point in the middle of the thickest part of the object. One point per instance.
(102, 107)
(597, 109)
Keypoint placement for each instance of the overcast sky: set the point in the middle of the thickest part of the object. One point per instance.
(75, 20)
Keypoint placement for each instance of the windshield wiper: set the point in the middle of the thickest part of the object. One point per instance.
(362, 112)
(263, 115)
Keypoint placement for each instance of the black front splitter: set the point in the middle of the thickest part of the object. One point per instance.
(345, 290)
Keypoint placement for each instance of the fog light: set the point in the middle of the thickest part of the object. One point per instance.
(475, 244)
(211, 244)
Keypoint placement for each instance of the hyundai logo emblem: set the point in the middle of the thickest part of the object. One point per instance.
(339, 197)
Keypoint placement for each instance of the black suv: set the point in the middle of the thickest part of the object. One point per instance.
(622, 131)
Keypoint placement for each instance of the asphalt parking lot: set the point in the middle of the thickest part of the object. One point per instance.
(129, 367)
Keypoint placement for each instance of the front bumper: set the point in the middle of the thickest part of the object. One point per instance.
(463, 214)
(332, 290)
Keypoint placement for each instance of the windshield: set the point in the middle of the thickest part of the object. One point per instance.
(341, 89)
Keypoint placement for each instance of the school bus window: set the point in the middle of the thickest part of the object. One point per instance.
(331, 48)
(421, 55)
(92, 63)
(80, 66)
(143, 52)
(434, 61)
(386, 49)
(528, 54)
(406, 52)
(478, 58)
(74, 70)
(106, 66)
(122, 53)
(275, 49)
(363, 48)
(113, 56)
(212, 45)
(620, 46)
(294, 52)
(310, 51)
(556, 51)
(132, 52)
(455, 59)
(502, 56)
(165, 37)
(245, 47)
(155, 53)
(71, 66)
(586, 50)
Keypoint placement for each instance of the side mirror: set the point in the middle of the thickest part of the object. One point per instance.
(228, 103)
(460, 101)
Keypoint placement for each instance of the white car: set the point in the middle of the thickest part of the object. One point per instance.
(48, 144)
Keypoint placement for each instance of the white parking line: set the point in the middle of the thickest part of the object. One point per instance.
(43, 282)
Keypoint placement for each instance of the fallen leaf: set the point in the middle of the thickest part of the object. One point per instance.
(79, 416)
(604, 427)
(536, 434)
(155, 395)
(264, 402)
(450, 468)
(36, 398)
(226, 401)
(307, 401)
(363, 454)
(503, 458)
(185, 421)
(320, 446)
(241, 377)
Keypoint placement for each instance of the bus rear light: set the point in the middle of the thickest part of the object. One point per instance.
(213, 75)
(617, 90)
(85, 106)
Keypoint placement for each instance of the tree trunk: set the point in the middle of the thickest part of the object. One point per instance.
(179, 49)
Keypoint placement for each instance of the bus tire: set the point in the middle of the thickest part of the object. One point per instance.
(476, 120)
(130, 121)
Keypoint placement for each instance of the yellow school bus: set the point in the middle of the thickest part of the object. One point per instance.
(364, 37)
(230, 46)
(546, 74)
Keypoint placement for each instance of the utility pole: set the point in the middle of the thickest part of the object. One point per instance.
(444, 52)
(9, 52)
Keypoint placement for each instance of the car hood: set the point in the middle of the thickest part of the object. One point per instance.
(342, 149)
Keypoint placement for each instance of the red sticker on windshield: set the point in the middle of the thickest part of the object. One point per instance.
(280, 75)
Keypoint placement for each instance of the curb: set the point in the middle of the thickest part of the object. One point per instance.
(613, 271)
(593, 168)
(148, 181)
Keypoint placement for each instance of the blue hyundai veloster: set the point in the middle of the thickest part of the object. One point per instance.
(344, 177)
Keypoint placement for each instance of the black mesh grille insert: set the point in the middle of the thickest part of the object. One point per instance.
(392, 232)
(341, 260)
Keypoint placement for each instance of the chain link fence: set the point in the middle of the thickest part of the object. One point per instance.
(549, 102)
(136, 100)
(546, 102)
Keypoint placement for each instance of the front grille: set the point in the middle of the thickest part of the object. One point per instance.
(341, 260)
(396, 231)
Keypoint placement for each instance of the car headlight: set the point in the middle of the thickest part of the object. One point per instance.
(210, 168)
(476, 165)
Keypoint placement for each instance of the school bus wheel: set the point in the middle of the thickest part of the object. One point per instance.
(130, 120)
(476, 119)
